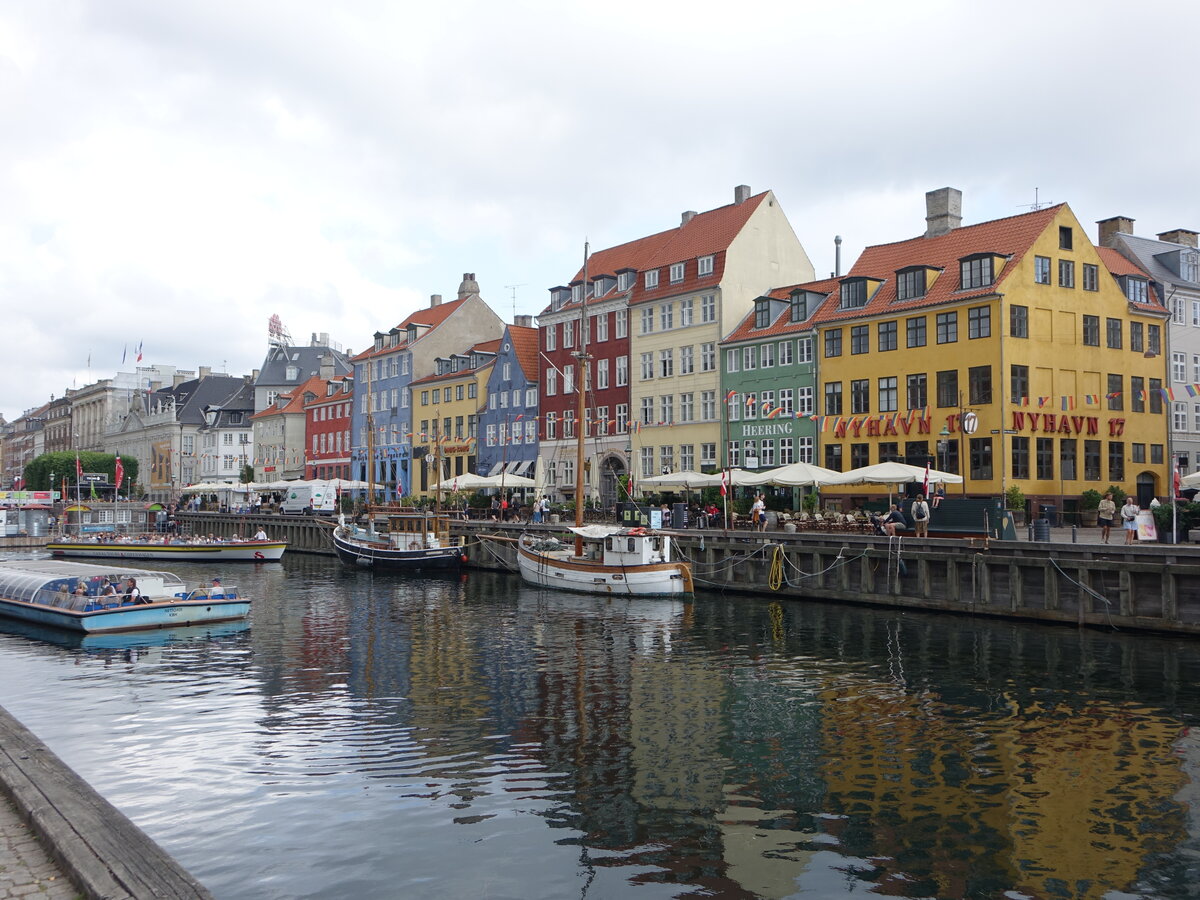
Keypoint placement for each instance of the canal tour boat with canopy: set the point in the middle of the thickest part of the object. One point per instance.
(603, 559)
(70, 595)
(175, 549)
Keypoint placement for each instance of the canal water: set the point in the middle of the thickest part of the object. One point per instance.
(382, 737)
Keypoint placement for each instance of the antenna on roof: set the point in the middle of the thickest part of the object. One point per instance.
(1036, 204)
(513, 288)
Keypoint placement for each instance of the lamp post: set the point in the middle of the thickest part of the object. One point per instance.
(943, 446)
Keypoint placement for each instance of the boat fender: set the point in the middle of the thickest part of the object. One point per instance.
(637, 531)
(463, 558)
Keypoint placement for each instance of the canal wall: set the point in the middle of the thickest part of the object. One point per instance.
(1141, 587)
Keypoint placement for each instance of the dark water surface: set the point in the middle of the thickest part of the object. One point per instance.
(381, 737)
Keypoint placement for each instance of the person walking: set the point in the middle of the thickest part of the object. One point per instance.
(920, 516)
(1129, 520)
(1105, 513)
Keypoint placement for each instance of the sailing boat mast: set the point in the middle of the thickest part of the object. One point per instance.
(370, 447)
(581, 406)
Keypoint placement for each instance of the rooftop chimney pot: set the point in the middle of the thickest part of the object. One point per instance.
(435, 300)
(1111, 227)
(943, 211)
(1182, 236)
(688, 215)
(741, 193)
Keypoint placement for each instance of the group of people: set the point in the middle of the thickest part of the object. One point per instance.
(127, 592)
(1106, 513)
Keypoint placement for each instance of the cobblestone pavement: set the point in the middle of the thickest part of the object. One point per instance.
(26, 871)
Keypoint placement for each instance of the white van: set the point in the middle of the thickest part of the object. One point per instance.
(309, 498)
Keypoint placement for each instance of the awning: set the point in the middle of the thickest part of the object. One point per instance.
(524, 467)
(495, 470)
(511, 468)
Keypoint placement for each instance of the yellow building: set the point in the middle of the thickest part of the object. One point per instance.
(1007, 352)
(446, 408)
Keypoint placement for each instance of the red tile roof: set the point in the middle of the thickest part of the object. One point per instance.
(781, 325)
(525, 348)
(1011, 237)
(433, 316)
(295, 397)
(1119, 264)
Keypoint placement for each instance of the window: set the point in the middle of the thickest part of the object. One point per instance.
(687, 408)
(647, 366)
(804, 401)
(766, 403)
(979, 322)
(708, 406)
(1116, 461)
(833, 457)
(947, 327)
(1178, 366)
(1091, 460)
(786, 402)
(708, 308)
(651, 279)
(531, 393)
(1137, 393)
(704, 266)
(551, 426)
(666, 405)
(647, 319)
(1091, 277)
(976, 272)
(1066, 273)
(647, 462)
(1113, 330)
(766, 356)
(833, 342)
(551, 337)
(622, 418)
(1041, 269)
(833, 398)
(601, 374)
(947, 388)
(647, 410)
(1153, 339)
(916, 331)
(676, 273)
(749, 358)
(622, 323)
(1179, 416)
(666, 315)
(806, 450)
(889, 451)
(917, 391)
(687, 360)
(1091, 331)
(568, 379)
(762, 314)
(666, 363)
(888, 390)
(860, 396)
(887, 336)
(1135, 337)
(910, 284)
(1116, 400)
(601, 327)
(685, 312)
(1156, 398)
(734, 407)
(1018, 321)
(804, 350)
(733, 360)
(1137, 290)
(1044, 458)
(1064, 237)
(708, 357)
(622, 371)
(1019, 383)
(981, 458)
(853, 294)
(733, 453)
(687, 457)
(708, 455)
(860, 339)
(1067, 459)
(1020, 458)
(787, 451)
(785, 353)
(979, 381)
(1138, 453)
(860, 455)
(1177, 311)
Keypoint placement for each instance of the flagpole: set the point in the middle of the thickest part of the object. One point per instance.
(726, 487)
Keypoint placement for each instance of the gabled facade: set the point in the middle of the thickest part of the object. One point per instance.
(1004, 351)
(694, 290)
(769, 380)
(281, 431)
(446, 407)
(288, 366)
(384, 374)
(327, 428)
(1170, 266)
(226, 439)
(508, 422)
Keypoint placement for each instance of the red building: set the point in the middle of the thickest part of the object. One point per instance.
(328, 404)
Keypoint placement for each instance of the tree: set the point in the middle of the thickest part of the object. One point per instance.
(62, 466)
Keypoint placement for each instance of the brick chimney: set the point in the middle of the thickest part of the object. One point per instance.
(1179, 236)
(688, 215)
(1109, 228)
(326, 365)
(943, 211)
(435, 300)
(741, 193)
(205, 371)
(523, 321)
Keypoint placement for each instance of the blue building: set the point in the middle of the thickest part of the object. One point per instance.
(508, 425)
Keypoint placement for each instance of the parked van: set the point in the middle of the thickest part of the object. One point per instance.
(309, 498)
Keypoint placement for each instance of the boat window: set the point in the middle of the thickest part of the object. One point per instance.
(631, 545)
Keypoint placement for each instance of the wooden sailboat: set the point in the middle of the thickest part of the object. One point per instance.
(415, 540)
(603, 559)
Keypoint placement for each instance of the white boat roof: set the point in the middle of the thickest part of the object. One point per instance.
(22, 579)
(596, 532)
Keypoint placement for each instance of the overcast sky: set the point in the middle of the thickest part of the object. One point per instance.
(172, 173)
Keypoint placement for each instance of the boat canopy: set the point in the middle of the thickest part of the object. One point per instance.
(596, 532)
(45, 580)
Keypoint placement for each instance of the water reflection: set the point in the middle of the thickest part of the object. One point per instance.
(373, 736)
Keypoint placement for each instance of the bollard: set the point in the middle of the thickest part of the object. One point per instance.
(1030, 532)
(1074, 534)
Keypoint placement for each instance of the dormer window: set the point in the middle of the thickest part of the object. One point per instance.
(911, 283)
(762, 313)
(577, 292)
(291, 373)
(1189, 266)
(651, 279)
(704, 265)
(977, 271)
(676, 273)
(798, 307)
(412, 333)
(1137, 290)
(625, 279)
(378, 341)
(854, 293)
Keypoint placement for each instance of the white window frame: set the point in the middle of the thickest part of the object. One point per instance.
(676, 273)
(651, 279)
(704, 265)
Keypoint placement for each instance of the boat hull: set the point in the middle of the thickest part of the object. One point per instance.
(243, 551)
(382, 558)
(568, 573)
(129, 617)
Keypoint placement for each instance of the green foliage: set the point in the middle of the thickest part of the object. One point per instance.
(1014, 498)
(1090, 499)
(811, 499)
(1118, 495)
(1188, 513)
(247, 475)
(62, 466)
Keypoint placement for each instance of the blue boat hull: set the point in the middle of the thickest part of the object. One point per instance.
(129, 617)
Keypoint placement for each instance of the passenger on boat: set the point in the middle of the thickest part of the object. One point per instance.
(217, 589)
(81, 590)
(109, 589)
(261, 534)
(132, 593)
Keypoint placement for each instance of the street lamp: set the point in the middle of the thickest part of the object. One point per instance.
(943, 446)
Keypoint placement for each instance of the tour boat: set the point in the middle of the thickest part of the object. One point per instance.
(413, 542)
(176, 550)
(602, 559)
(46, 592)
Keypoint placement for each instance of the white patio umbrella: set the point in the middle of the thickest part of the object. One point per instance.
(685, 479)
(896, 473)
(469, 482)
(1190, 481)
(797, 475)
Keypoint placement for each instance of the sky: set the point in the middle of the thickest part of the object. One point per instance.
(172, 174)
